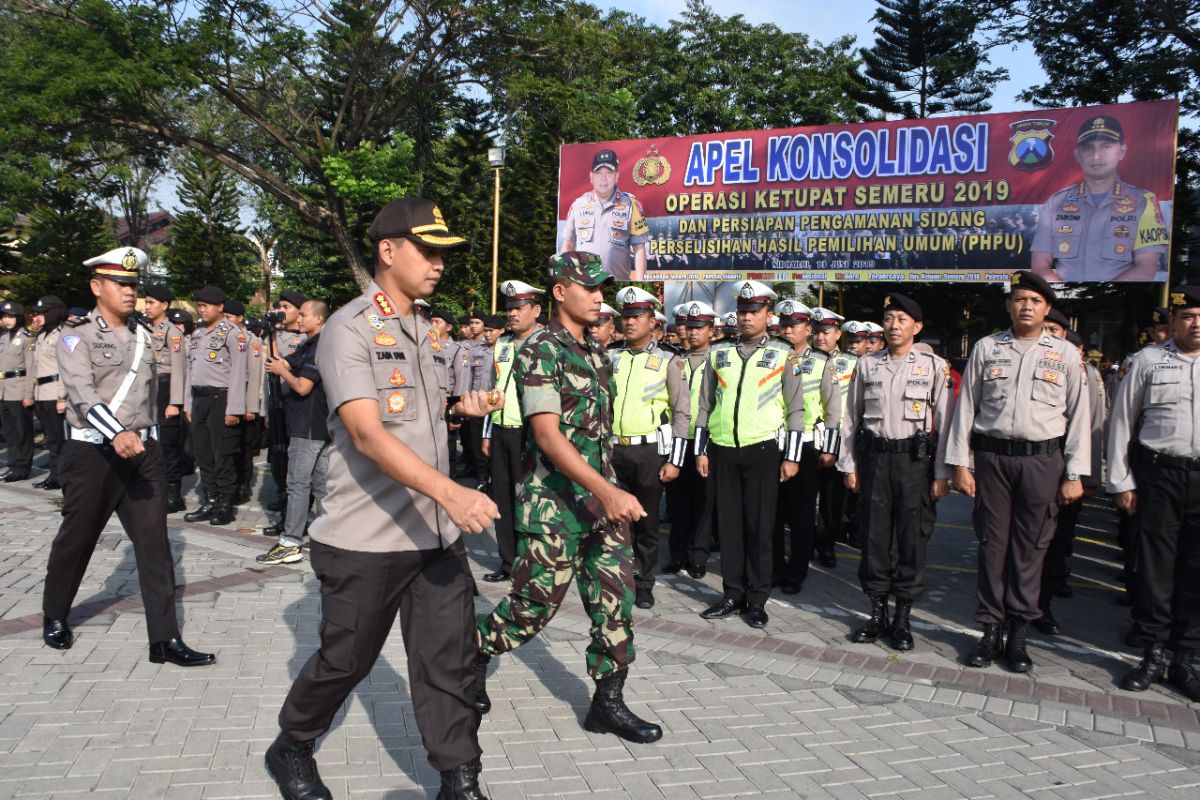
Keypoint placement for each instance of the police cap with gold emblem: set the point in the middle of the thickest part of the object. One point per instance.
(874, 330)
(607, 312)
(1101, 127)
(604, 159)
(854, 329)
(1185, 296)
(1024, 279)
(792, 312)
(635, 301)
(699, 314)
(416, 219)
(894, 301)
(752, 295)
(680, 313)
(586, 269)
(1159, 316)
(519, 293)
(121, 264)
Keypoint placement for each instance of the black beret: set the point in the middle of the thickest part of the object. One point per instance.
(292, 296)
(495, 322)
(211, 295)
(902, 302)
(11, 308)
(235, 307)
(1027, 280)
(159, 292)
(442, 314)
(1185, 297)
(1058, 318)
(1160, 316)
(1074, 338)
(48, 302)
(178, 315)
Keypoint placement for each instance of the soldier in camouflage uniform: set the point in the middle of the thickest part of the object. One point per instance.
(570, 515)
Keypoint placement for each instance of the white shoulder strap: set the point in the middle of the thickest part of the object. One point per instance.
(127, 384)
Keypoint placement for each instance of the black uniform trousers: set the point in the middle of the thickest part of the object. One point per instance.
(636, 467)
(745, 483)
(249, 446)
(1166, 605)
(831, 490)
(1016, 507)
(52, 427)
(96, 482)
(691, 506)
(361, 594)
(215, 444)
(170, 434)
(472, 433)
(898, 516)
(796, 507)
(17, 423)
(1054, 570)
(506, 470)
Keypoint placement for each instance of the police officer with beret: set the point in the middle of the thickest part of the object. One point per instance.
(1023, 415)
(16, 370)
(1154, 471)
(288, 335)
(46, 389)
(171, 360)
(111, 460)
(899, 402)
(387, 541)
(503, 430)
(214, 402)
(608, 222)
(250, 428)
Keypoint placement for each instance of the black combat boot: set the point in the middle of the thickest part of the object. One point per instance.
(292, 766)
(877, 624)
(222, 512)
(175, 497)
(1182, 676)
(1014, 648)
(480, 699)
(609, 714)
(987, 648)
(1149, 671)
(901, 631)
(202, 513)
(1046, 624)
(462, 783)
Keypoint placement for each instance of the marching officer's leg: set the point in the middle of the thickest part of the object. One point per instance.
(725, 467)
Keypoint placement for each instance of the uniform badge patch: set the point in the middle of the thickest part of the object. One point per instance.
(375, 321)
(1070, 208)
(917, 407)
(70, 341)
(653, 362)
(385, 340)
(920, 372)
(1064, 247)
(396, 402)
(1050, 376)
(384, 304)
(1120, 249)
(996, 372)
(397, 379)
(1064, 229)
(1121, 231)
(241, 340)
(176, 343)
(433, 341)
(1125, 205)
(257, 348)
(212, 355)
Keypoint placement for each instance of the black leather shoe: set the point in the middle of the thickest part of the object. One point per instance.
(177, 653)
(274, 530)
(672, 567)
(697, 572)
(1046, 624)
(609, 714)
(902, 638)
(292, 766)
(462, 783)
(789, 587)
(1182, 674)
(725, 608)
(755, 616)
(41, 484)
(1149, 671)
(13, 477)
(222, 512)
(51, 485)
(480, 699)
(175, 502)
(644, 598)
(827, 558)
(57, 634)
(499, 576)
(201, 514)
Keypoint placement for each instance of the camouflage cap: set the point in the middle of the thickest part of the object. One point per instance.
(583, 268)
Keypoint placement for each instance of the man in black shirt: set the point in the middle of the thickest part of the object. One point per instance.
(308, 435)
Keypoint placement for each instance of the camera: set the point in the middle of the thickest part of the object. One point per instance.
(273, 317)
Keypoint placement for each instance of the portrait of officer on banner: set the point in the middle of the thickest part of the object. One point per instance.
(608, 222)
(1102, 228)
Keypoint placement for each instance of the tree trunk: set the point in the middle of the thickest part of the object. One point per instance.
(353, 253)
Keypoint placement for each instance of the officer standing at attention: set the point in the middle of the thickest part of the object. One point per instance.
(387, 541)
(468, 370)
(1154, 471)
(604, 329)
(503, 431)
(608, 222)
(854, 339)
(570, 514)
(750, 401)
(831, 491)
(170, 362)
(651, 416)
(46, 389)
(875, 341)
(16, 368)
(688, 497)
(214, 402)
(1023, 415)
(111, 460)
(898, 405)
(250, 428)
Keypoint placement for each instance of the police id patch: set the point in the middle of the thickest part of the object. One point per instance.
(769, 359)
(70, 341)
(722, 359)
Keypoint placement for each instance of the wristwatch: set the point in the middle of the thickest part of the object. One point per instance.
(1072, 476)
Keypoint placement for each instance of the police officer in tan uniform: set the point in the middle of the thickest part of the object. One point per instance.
(387, 541)
(46, 389)
(171, 366)
(214, 401)
(111, 460)
(1023, 416)
(608, 222)
(899, 401)
(16, 368)
(1154, 471)
(250, 428)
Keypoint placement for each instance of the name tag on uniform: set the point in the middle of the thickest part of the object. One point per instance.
(920, 372)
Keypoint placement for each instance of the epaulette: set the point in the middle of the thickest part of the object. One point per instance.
(356, 306)
(77, 322)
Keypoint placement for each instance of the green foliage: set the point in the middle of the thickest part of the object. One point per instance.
(59, 238)
(371, 177)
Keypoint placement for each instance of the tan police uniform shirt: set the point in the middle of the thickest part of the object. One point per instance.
(367, 351)
(1035, 396)
(1098, 403)
(45, 365)
(16, 355)
(170, 358)
(256, 370)
(1157, 404)
(286, 341)
(895, 397)
(93, 360)
(609, 228)
(217, 357)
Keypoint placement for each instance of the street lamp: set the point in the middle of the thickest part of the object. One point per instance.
(496, 161)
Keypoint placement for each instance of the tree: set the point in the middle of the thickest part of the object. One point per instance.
(61, 235)
(924, 61)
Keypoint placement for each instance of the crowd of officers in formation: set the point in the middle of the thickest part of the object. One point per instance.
(769, 440)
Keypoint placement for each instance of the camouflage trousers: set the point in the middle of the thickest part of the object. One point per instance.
(601, 563)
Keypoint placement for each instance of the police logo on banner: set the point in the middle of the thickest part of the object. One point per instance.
(1031, 148)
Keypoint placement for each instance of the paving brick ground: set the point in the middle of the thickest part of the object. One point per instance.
(792, 711)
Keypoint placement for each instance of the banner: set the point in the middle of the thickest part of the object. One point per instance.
(1078, 195)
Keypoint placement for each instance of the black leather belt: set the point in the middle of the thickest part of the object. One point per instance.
(1013, 447)
(208, 391)
(882, 445)
(17, 373)
(47, 379)
(1172, 462)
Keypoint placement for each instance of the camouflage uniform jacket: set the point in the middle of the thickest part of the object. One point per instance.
(555, 374)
